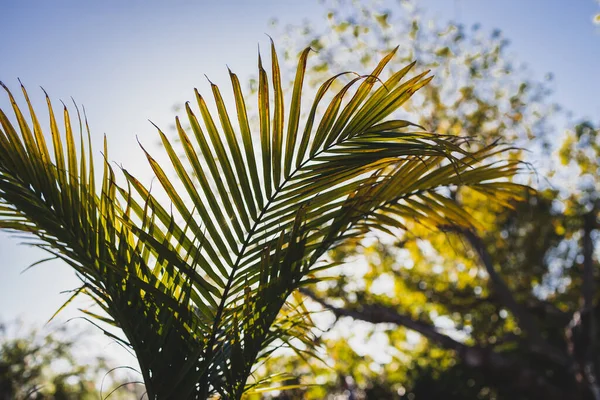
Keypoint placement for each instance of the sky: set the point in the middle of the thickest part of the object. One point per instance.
(130, 61)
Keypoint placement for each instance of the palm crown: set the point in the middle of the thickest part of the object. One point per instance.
(202, 289)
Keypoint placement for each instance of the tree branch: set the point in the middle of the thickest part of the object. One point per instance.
(473, 356)
(377, 314)
(588, 323)
(501, 289)
(588, 288)
(503, 293)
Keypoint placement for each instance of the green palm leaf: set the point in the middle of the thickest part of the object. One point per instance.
(201, 289)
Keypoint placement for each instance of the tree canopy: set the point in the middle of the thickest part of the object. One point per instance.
(504, 312)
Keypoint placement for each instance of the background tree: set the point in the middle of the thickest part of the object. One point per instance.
(496, 309)
(44, 366)
(479, 89)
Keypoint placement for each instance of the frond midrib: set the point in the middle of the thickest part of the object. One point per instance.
(247, 242)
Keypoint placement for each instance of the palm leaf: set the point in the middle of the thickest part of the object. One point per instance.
(201, 289)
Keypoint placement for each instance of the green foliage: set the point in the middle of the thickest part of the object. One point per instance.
(35, 366)
(479, 89)
(579, 152)
(202, 289)
(502, 329)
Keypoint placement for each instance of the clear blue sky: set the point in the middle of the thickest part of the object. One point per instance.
(128, 61)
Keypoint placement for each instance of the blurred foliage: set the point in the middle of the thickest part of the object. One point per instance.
(479, 88)
(515, 335)
(36, 365)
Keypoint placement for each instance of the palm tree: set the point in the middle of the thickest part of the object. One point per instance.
(206, 287)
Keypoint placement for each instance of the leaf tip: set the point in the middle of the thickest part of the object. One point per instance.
(270, 39)
(137, 139)
(5, 88)
(156, 126)
(209, 81)
(45, 93)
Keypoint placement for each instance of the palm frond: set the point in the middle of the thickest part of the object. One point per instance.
(199, 290)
